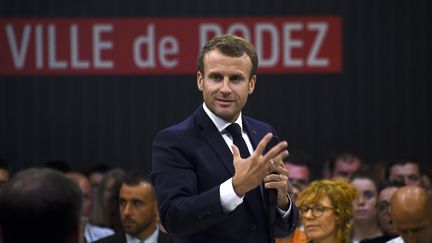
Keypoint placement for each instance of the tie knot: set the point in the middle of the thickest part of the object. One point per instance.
(234, 129)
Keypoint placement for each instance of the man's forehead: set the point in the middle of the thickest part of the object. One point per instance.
(387, 193)
(405, 167)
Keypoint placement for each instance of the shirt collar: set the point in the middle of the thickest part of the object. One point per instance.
(220, 123)
(151, 239)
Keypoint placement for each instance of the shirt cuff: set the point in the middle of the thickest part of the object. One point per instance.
(228, 197)
(285, 214)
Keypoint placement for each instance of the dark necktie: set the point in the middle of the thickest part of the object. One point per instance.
(253, 197)
(235, 131)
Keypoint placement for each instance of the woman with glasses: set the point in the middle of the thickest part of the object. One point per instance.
(326, 210)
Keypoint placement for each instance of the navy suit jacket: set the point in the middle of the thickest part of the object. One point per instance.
(190, 161)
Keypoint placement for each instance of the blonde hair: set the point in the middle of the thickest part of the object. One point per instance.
(341, 194)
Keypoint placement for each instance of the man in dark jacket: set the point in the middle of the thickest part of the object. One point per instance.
(138, 213)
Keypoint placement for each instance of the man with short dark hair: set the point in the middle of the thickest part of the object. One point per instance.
(215, 178)
(298, 168)
(343, 165)
(40, 206)
(138, 213)
(405, 171)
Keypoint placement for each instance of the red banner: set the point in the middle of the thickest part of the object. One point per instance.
(163, 45)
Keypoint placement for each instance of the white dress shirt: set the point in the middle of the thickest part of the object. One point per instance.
(151, 239)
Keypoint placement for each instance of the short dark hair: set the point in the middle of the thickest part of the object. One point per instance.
(40, 205)
(403, 161)
(230, 45)
(389, 184)
(297, 158)
(4, 165)
(135, 178)
(344, 155)
(369, 175)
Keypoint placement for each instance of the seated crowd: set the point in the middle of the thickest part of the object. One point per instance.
(352, 202)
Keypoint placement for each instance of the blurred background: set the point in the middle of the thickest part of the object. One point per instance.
(378, 105)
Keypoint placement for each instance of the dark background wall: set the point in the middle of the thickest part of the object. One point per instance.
(379, 106)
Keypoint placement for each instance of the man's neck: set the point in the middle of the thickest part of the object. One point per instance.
(219, 122)
(146, 233)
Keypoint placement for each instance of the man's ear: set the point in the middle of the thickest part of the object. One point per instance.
(252, 84)
(200, 80)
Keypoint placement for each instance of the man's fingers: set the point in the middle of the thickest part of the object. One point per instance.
(276, 181)
(273, 152)
(263, 143)
(278, 152)
(236, 152)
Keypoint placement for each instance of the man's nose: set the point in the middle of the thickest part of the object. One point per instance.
(226, 86)
(127, 209)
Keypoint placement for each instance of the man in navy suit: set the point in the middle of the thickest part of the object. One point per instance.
(138, 213)
(216, 181)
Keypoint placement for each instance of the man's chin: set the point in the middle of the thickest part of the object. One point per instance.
(131, 231)
(226, 115)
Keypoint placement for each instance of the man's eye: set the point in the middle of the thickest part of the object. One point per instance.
(137, 203)
(216, 77)
(236, 78)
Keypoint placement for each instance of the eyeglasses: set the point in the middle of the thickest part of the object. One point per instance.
(317, 210)
(383, 206)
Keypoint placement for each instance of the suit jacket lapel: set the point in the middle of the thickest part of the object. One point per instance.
(214, 139)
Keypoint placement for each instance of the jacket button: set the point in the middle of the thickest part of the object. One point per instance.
(253, 227)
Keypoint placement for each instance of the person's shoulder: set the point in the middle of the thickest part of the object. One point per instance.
(185, 124)
(115, 238)
(164, 238)
(256, 123)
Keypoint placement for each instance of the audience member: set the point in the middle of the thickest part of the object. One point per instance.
(298, 169)
(95, 174)
(107, 215)
(343, 165)
(326, 210)
(412, 215)
(138, 212)
(4, 171)
(365, 221)
(383, 210)
(91, 232)
(40, 206)
(406, 171)
(299, 177)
